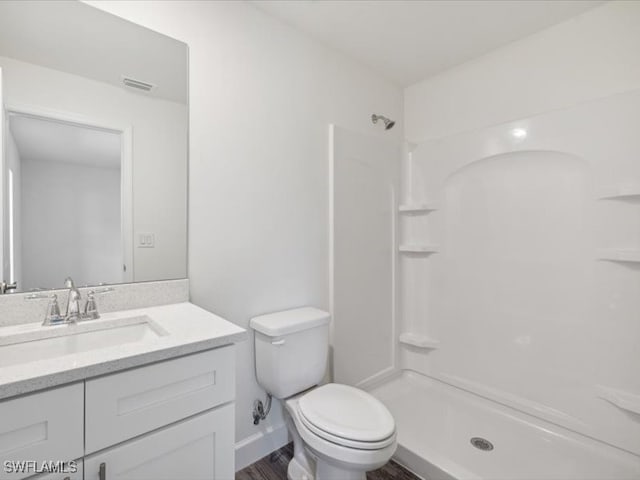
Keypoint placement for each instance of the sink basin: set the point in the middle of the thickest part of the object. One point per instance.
(51, 342)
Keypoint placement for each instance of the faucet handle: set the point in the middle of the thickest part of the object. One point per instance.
(91, 307)
(53, 316)
(53, 312)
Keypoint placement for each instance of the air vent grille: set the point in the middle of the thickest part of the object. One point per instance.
(137, 84)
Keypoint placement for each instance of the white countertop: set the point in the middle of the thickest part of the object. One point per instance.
(189, 329)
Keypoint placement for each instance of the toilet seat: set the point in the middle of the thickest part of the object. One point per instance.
(347, 416)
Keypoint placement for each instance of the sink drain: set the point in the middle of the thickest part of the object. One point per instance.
(482, 444)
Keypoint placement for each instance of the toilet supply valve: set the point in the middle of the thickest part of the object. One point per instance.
(259, 410)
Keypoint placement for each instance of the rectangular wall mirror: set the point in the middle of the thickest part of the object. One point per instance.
(94, 148)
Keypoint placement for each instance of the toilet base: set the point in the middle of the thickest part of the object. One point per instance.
(327, 471)
(295, 471)
(301, 466)
(324, 471)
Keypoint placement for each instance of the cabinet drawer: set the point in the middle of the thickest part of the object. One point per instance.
(124, 405)
(200, 448)
(77, 475)
(45, 426)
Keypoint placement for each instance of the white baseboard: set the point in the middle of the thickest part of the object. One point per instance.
(260, 444)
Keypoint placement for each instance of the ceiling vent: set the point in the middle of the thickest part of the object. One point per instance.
(138, 84)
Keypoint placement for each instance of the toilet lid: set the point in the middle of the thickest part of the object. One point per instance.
(347, 412)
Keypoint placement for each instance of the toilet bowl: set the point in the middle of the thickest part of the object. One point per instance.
(339, 432)
(346, 432)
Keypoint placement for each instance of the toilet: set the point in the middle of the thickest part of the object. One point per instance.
(339, 432)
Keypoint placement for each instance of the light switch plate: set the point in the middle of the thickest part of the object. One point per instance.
(146, 240)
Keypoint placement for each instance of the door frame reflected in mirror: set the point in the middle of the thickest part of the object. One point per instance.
(126, 175)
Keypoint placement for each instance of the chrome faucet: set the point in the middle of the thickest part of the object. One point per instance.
(74, 313)
(73, 302)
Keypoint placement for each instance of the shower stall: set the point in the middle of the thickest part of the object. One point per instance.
(491, 282)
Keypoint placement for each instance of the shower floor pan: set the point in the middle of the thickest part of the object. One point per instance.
(437, 422)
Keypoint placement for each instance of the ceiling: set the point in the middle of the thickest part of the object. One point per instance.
(408, 41)
(44, 140)
(76, 38)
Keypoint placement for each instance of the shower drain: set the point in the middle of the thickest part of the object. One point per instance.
(482, 444)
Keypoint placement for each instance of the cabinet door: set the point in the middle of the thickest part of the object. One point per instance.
(40, 427)
(124, 405)
(199, 448)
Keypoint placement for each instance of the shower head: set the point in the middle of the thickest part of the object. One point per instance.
(388, 123)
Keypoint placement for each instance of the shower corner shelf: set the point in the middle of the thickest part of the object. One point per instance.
(619, 255)
(413, 208)
(621, 399)
(419, 340)
(424, 249)
(619, 192)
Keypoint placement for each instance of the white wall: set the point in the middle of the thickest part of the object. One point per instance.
(590, 56)
(159, 144)
(261, 98)
(78, 234)
(526, 312)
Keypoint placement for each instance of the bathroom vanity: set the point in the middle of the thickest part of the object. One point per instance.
(144, 393)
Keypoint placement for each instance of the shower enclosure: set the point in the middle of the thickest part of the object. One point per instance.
(491, 280)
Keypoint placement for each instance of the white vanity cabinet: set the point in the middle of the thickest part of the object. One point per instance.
(168, 420)
(43, 426)
(197, 448)
(127, 404)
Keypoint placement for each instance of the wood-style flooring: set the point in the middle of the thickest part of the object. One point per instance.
(274, 467)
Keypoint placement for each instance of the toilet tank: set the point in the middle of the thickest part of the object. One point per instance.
(291, 350)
